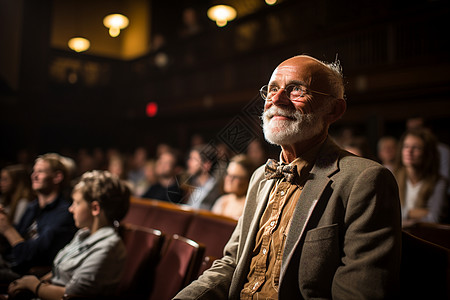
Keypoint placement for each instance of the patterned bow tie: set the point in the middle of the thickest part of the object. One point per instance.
(276, 170)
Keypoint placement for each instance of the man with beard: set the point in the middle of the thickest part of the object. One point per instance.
(167, 168)
(321, 223)
(46, 225)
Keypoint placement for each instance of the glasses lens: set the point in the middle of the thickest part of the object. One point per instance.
(263, 91)
(294, 91)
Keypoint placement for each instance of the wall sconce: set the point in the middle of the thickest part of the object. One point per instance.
(115, 23)
(221, 14)
(271, 2)
(79, 44)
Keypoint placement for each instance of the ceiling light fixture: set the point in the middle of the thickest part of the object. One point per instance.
(79, 44)
(115, 22)
(221, 14)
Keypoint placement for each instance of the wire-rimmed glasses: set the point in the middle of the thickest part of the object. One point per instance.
(292, 91)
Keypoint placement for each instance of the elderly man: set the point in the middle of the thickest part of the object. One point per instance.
(322, 223)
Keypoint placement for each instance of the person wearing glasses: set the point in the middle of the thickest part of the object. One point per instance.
(235, 185)
(321, 223)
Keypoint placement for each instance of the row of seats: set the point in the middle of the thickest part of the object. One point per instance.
(157, 266)
(168, 246)
(202, 226)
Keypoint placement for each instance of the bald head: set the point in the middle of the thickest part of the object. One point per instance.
(319, 76)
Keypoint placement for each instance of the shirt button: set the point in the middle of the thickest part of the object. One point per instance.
(264, 251)
(282, 193)
(272, 223)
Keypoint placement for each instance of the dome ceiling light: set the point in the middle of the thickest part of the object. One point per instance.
(79, 44)
(115, 23)
(221, 14)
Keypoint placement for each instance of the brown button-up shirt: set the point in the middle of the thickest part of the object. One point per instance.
(264, 274)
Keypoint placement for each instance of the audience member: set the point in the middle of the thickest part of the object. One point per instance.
(136, 174)
(204, 188)
(386, 151)
(443, 149)
(46, 225)
(358, 145)
(92, 263)
(117, 166)
(15, 185)
(423, 191)
(161, 148)
(321, 224)
(256, 152)
(167, 188)
(150, 176)
(235, 186)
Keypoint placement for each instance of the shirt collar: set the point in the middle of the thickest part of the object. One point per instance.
(305, 162)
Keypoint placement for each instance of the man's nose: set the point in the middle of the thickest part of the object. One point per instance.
(280, 98)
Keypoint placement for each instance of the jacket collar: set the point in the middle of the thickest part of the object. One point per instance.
(326, 165)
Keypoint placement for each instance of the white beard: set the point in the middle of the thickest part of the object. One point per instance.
(300, 127)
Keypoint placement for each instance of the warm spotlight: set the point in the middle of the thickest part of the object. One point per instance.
(79, 44)
(221, 14)
(115, 23)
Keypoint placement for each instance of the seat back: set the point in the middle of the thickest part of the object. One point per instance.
(178, 265)
(167, 217)
(137, 214)
(424, 270)
(212, 230)
(436, 233)
(143, 248)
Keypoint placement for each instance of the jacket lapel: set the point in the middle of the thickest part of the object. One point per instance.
(319, 179)
(242, 267)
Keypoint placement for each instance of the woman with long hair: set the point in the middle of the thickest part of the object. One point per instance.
(15, 185)
(423, 191)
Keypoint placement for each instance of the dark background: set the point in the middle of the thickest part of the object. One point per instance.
(395, 58)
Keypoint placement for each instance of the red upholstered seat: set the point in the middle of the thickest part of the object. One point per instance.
(178, 265)
(143, 249)
(212, 230)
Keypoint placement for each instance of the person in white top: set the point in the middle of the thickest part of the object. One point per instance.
(235, 186)
(422, 189)
(92, 263)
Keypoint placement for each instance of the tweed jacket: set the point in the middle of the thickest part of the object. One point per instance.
(344, 241)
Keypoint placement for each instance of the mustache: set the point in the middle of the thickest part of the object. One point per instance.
(277, 111)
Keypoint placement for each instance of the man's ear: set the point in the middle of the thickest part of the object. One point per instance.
(337, 110)
(95, 208)
(58, 177)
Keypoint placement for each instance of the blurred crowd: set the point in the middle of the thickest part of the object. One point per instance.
(213, 177)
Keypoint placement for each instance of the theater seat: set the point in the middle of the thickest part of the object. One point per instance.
(178, 266)
(143, 249)
(425, 269)
(212, 230)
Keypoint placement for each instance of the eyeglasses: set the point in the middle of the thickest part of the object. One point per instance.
(233, 177)
(292, 91)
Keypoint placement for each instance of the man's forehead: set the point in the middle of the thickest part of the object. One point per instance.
(42, 164)
(286, 73)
